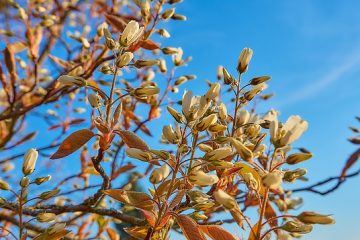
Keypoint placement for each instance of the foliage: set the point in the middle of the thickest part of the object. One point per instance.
(218, 158)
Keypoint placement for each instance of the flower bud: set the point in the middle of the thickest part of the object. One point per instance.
(202, 179)
(94, 100)
(296, 227)
(179, 17)
(217, 128)
(168, 13)
(222, 111)
(131, 33)
(273, 180)
(225, 199)
(57, 227)
(24, 182)
(67, 80)
(243, 117)
(161, 154)
(159, 174)
(109, 41)
(124, 59)
(176, 115)
(100, 29)
(146, 91)
(206, 122)
(29, 161)
(170, 134)
(315, 218)
(255, 91)
(213, 92)
(41, 180)
(291, 176)
(205, 148)
(106, 69)
(203, 206)
(180, 80)
(49, 194)
(258, 80)
(198, 216)
(219, 153)
(146, 63)
(298, 158)
(170, 50)
(228, 79)
(162, 65)
(244, 60)
(164, 33)
(198, 196)
(251, 182)
(138, 154)
(4, 185)
(45, 217)
(244, 152)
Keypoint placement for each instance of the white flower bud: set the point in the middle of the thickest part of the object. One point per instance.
(29, 161)
(201, 178)
(159, 174)
(244, 60)
(67, 80)
(124, 59)
(225, 199)
(138, 154)
(273, 180)
(219, 153)
(94, 100)
(45, 217)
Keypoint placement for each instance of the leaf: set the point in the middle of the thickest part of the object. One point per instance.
(72, 143)
(112, 234)
(136, 199)
(150, 217)
(237, 216)
(26, 138)
(10, 63)
(246, 169)
(216, 232)
(270, 213)
(253, 232)
(150, 45)
(177, 199)
(351, 161)
(117, 22)
(137, 232)
(132, 140)
(190, 228)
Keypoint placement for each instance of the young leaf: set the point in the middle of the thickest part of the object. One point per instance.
(351, 161)
(190, 228)
(136, 199)
(132, 140)
(72, 143)
(216, 232)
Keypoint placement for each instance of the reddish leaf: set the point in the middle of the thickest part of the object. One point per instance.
(117, 22)
(149, 216)
(237, 216)
(190, 228)
(177, 199)
(253, 232)
(150, 45)
(351, 161)
(72, 143)
(132, 140)
(112, 234)
(136, 199)
(270, 213)
(216, 232)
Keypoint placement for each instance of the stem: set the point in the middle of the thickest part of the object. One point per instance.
(262, 212)
(21, 213)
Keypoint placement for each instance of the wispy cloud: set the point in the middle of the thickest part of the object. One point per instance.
(349, 64)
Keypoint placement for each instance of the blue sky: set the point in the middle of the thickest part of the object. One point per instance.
(312, 51)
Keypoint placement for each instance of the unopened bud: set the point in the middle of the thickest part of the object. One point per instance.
(49, 194)
(4, 185)
(176, 115)
(146, 91)
(179, 17)
(124, 59)
(228, 79)
(244, 60)
(291, 176)
(296, 227)
(273, 180)
(168, 13)
(315, 218)
(138, 154)
(146, 63)
(258, 80)
(67, 80)
(159, 174)
(45, 217)
(41, 180)
(94, 100)
(244, 152)
(225, 199)
(164, 33)
(29, 161)
(202, 179)
(24, 182)
(298, 158)
(206, 122)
